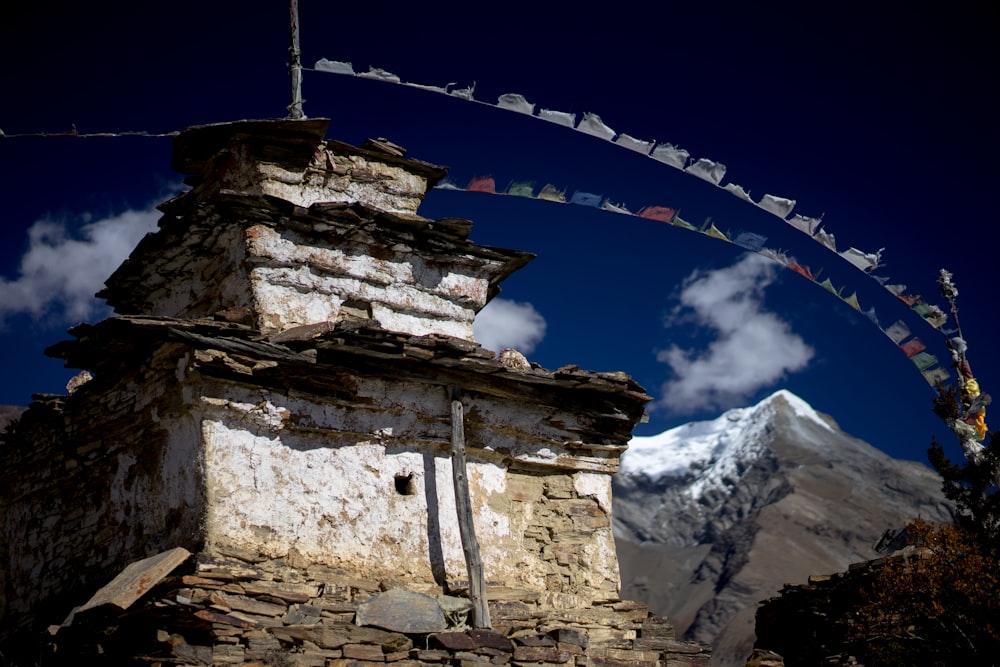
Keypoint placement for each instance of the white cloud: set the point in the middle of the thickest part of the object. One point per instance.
(752, 348)
(504, 323)
(61, 271)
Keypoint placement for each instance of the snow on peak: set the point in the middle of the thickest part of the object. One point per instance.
(801, 409)
(711, 451)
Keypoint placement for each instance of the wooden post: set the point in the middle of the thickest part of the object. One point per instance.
(295, 63)
(463, 503)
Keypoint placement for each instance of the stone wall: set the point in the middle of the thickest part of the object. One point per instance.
(90, 482)
(333, 450)
(290, 160)
(817, 622)
(341, 238)
(217, 609)
(355, 472)
(370, 490)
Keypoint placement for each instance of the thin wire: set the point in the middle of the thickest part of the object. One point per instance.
(73, 134)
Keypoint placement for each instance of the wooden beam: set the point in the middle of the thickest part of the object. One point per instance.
(463, 503)
(295, 63)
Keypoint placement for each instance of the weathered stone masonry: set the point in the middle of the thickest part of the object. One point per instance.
(274, 392)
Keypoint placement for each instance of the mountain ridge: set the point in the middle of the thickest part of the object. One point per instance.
(758, 497)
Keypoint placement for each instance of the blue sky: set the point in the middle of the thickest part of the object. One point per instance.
(878, 121)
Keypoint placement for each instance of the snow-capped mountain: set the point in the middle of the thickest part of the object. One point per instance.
(711, 455)
(712, 517)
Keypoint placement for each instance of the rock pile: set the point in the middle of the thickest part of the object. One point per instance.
(219, 610)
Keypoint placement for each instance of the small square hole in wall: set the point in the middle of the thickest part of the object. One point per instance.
(404, 484)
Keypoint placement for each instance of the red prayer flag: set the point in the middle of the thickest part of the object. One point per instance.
(482, 184)
(801, 270)
(912, 347)
(660, 213)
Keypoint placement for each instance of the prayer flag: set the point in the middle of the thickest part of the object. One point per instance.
(898, 332)
(738, 191)
(779, 206)
(379, 75)
(670, 154)
(804, 224)
(683, 224)
(935, 376)
(551, 193)
(592, 125)
(661, 213)
(435, 89)
(852, 301)
(585, 199)
(558, 117)
(800, 269)
(333, 66)
(912, 347)
(826, 238)
(446, 184)
(750, 241)
(778, 256)
(828, 286)
(633, 144)
(866, 261)
(521, 189)
(715, 233)
(464, 93)
(615, 208)
(923, 360)
(515, 102)
(707, 170)
(482, 184)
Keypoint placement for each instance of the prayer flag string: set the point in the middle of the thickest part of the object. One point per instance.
(74, 134)
(708, 170)
(898, 333)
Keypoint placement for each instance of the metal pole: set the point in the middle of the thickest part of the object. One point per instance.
(295, 63)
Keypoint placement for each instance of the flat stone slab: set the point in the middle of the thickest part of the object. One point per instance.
(454, 641)
(136, 580)
(402, 611)
(491, 639)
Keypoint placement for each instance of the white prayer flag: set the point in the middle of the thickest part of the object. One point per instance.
(334, 67)
(592, 125)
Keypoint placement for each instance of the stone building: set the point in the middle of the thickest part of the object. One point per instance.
(273, 396)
